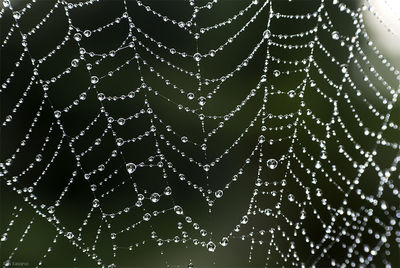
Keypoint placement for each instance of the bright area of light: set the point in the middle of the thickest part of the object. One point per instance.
(383, 21)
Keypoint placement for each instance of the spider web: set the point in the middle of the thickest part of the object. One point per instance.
(191, 133)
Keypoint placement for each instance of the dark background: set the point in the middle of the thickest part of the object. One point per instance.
(225, 214)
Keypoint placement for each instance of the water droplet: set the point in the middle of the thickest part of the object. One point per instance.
(130, 167)
(38, 158)
(197, 57)
(16, 15)
(244, 219)
(344, 68)
(184, 139)
(335, 35)
(212, 53)
(206, 167)
(87, 33)
(318, 192)
(318, 165)
(291, 197)
(101, 96)
(155, 197)
(113, 235)
(121, 121)
(324, 155)
(190, 96)
(277, 73)
(178, 210)
(3, 237)
(291, 93)
(224, 241)
(202, 101)
(57, 114)
(267, 34)
(75, 63)
(51, 209)
(167, 190)
(303, 215)
(70, 235)
(77, 37)
(93, 187)
(261, 139)
(120, 142)
(147, 216)
(94, 79)
(272, 163)
(8, 162)
(219, 193)
(211, 246)
(96, 203)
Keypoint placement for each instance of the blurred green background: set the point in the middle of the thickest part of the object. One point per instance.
(221, 218)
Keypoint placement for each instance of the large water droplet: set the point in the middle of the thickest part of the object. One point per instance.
(147, 216)
(197, 57)
(75, 63)
(224, 241)
(96, 203)
(167, 190)
(51, 209)
(219, 193)
(344, 68)
(178, 210)
(190, 96)
(94, 79)
(16, 15)
(130, 167)
(38, 158)
(70, 235)
(202, 101)
(267, 34)
(155, 197)
(272, 163)
(77, 37)
(57, 114)
(211, 246)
